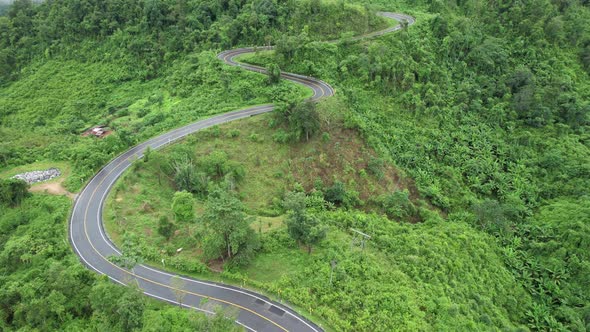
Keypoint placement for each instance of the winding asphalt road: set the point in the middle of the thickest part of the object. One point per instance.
(254, 311)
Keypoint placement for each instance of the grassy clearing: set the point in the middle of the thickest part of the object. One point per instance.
(256, 58)
(142, 196)
(271, 168)
(64, 168)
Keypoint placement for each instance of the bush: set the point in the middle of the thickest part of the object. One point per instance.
(187, 264)
(274, 73)
(254, 137)
(165, 227)
(281, 136)
(184, 174)
(398, 205)
(233, 133)
(336, 193)
(13, 191)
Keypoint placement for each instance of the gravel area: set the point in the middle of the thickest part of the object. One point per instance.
(38, 176)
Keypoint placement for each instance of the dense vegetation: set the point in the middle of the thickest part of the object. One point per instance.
(484, 104)
(44, 287)
(67, 66)
(140, 68)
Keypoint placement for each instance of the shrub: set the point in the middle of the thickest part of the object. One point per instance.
(336, 193)
(254, 137)
(376, 166)
(165, 227)
(281, 136)
(398, 205)
(233, 133)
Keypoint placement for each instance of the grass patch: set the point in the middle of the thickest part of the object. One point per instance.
(270, 267)
(258, 58)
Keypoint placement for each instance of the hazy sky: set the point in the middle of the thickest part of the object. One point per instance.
(3, 2)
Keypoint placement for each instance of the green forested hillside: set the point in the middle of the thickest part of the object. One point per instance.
(483, 105)
(45, 288)
(66, 66)
(486, 106)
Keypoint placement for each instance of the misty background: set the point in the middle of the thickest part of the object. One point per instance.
(8, 2)
(4, 4)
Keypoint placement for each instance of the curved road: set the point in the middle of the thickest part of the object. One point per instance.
(255, 312)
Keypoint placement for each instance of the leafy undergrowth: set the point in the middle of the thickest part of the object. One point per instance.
(433, 275)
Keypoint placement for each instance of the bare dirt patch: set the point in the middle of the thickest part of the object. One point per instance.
(53, 188)
(216, 265)
(345, 158)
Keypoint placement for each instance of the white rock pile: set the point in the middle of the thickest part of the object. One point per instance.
(38, 176)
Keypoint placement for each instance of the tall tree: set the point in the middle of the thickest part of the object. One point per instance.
(229, 225)
(130, 252)
(178, 285)
(119, 308)
(302, 118)
(183, 208)
(303, 227)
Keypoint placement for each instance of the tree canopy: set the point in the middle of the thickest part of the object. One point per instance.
(230, 234)
(303, 227)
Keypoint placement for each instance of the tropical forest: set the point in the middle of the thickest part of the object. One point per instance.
(294, 165)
